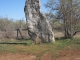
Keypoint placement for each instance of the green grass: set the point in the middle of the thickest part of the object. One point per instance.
(27, 46)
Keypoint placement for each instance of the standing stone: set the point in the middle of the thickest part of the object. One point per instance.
(38, 26)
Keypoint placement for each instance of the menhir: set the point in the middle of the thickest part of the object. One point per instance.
(38, 26)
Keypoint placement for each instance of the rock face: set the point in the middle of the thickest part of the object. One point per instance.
(38, 26)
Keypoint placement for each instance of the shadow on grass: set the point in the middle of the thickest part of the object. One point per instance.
(78, 42)
(14, 43)
(68, 40)
(61, 38)
(23, 38)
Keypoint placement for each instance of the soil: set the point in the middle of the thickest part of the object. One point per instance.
(18, 56)
(61, 55)
(68, 54)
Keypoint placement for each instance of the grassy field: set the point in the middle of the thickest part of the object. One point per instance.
(27, 46)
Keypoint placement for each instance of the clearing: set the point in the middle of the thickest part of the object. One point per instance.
(63, 49)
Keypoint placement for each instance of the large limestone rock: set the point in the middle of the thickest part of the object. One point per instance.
(38, 26)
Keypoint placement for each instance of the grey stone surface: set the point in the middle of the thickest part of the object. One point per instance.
(38, 26)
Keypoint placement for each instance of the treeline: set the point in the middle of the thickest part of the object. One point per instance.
(8, 26)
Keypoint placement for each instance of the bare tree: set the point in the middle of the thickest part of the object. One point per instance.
(69, 12)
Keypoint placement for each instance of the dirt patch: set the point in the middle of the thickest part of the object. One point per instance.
(68, 55)
(17, 57)
(47, 56)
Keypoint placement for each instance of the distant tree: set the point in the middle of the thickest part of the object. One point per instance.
(55, 23)
(20, 24)
(6, 25)
(49, 15)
